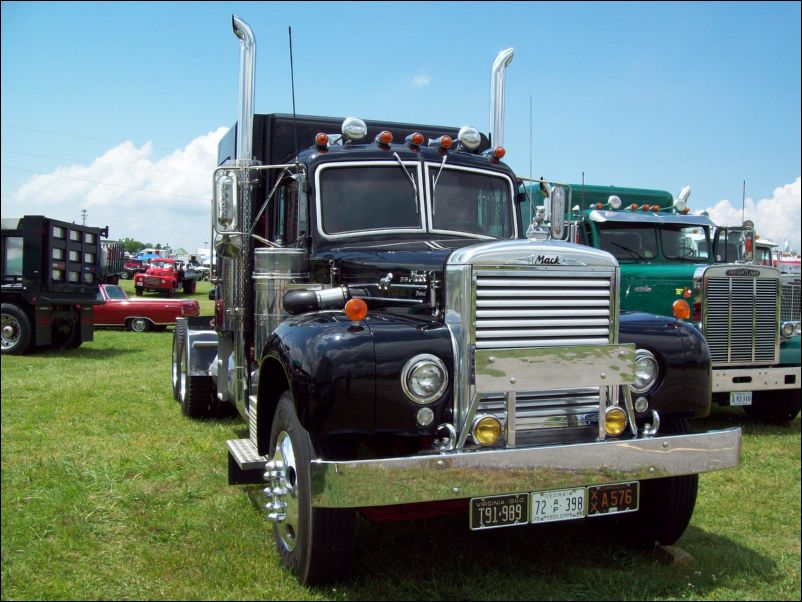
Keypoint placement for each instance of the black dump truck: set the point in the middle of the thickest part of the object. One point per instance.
(50, 282)
(398, 349)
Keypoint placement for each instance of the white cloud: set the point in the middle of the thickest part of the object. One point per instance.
(776, 218)
(156, 200)
(423, 79)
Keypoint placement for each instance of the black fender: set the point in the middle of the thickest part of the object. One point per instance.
(344, 376)
(685, 386)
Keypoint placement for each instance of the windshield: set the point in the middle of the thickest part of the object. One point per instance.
(686, 243)
(115, 293)
(474, 202)
(629, 242)
(161, 264)
(367, 197)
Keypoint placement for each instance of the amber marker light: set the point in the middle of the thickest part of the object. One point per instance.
(322, 140)
(446, 142)
(356, 310)
(599, 206)
(645, 207)
(384, 137)
(499, 152)
(681, 309)
(686, 211)
(486, 430)
(634, 206)
(415, 139)
(615, 421)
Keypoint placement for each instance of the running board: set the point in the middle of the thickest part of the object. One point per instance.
(245, 465)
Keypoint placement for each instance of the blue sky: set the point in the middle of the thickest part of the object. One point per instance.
(116, 107)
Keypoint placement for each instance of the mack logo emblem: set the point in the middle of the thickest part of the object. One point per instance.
(743, 272)
(540, 260)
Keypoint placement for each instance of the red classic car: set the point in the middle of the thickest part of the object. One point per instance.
(139, 315)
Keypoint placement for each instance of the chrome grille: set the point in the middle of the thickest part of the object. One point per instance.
(524, 308)
(790, 300)
(741, 320)
(540, 308)
(150, 281)
(550, 416)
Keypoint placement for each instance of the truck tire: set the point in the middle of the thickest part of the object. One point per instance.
(666, 505)
(15, 327)
(179, 335)
(139, 324)
(125, 275)
(194, 392)
(139, 290)
(316, 544)
(189, 287)
(775, 407)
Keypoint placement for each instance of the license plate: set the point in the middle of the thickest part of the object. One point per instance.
(612, 499)
(499, 511)
(740, 398)
(563, 504)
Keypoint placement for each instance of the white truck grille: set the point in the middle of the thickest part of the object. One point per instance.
(790, 305)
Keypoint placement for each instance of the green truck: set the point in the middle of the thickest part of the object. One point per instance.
(676, 263)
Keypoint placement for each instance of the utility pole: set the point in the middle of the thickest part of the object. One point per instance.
(83, 216)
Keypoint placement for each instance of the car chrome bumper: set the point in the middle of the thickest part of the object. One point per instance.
(756, 379)
(465, 474)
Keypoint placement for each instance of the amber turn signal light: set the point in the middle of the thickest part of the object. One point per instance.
(356, 309)
(322, 139)
(681, 309)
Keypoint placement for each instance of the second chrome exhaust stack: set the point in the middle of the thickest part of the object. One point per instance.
(500, 65)
(246, 89)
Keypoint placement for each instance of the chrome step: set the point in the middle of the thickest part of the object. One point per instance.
(244, 453)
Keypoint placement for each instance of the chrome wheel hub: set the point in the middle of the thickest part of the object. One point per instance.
(282, 492)
(10, 329)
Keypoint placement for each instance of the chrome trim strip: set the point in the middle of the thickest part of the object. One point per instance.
(509, 399)
(458, 321)
(461, 474)
(762, 379)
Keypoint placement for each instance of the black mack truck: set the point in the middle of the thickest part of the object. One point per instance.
(397, 350)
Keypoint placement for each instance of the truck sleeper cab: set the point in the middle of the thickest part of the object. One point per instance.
(396, 348)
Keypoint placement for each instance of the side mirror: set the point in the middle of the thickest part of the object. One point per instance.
(226, 200)
(557, 204)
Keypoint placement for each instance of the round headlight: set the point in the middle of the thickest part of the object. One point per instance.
(646, 371)
(788, 329)
(798, 328)
(424, 378)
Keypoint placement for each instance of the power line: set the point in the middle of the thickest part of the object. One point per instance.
(184, 196)
(188, 173)
(26, 129)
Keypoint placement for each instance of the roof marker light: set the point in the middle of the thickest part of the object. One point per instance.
(645, 207)
(356, 309)
(599, 205)
(322, 140)
(385, 137)
(634, 206)
(443, 142)
(415, 139)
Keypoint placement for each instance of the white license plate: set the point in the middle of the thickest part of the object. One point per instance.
(562, 504)
(740, 398)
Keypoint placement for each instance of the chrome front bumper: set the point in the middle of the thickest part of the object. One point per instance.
(465, 474)
(755, 379)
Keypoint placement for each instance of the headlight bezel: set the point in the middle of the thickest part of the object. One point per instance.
(415, 363)
(648, 385)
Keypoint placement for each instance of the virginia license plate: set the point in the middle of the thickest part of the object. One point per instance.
(499, 511)
(612, 499)
(740, 398)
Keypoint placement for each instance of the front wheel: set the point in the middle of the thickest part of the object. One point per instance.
(775, 407)
(314, 543)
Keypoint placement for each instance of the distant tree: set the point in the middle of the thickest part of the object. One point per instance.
(134, 246)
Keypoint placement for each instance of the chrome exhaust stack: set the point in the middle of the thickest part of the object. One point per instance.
(500, 65)
(247, 61)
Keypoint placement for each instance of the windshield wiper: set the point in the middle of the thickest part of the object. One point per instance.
(437, 177)
(628, 250)
(411, 179)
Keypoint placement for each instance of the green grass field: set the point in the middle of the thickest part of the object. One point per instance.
(108, 492)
